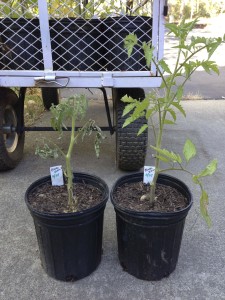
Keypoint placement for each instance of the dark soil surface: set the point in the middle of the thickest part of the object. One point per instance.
(168, 199)
(54, 199)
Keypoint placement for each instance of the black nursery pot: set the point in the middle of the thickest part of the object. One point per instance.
(115, 30)
(149, 242)
(70, 244)
(22, 44)
(76, 44)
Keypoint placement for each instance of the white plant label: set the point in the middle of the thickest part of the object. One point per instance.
(57, 175)
(149, 172)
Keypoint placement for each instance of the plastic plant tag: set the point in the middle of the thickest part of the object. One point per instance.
(149, 173)
(57, 175)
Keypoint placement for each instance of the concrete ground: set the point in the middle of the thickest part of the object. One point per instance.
(200, 273)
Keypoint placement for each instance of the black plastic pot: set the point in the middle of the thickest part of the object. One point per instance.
(76, 44)
(21, 47)
(149, 242)
(115, 30)
(70, 244)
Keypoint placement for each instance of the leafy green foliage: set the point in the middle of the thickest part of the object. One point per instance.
(161, 111)
(204, 201)
(74, 107)
(70, 111)
(45, 152)
(129, 43)
(189, 150)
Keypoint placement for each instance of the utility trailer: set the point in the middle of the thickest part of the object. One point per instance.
(52, 44)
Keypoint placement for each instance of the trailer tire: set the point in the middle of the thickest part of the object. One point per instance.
(12, 143)
(49, 96)
(130, 148)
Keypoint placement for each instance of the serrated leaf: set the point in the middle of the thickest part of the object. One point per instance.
(180, 91)
(128, 108)
(189, 150)
(128, 99)
(206, 67)
(164, 66)
(129, 42)
(142, 129)
(163, 158)
(128, 121)
(169, 154)
(213, 66)
(204, 201)
(140, 107)
(215, 69)
(210, 169)
(179, 107)
(172, 28)
(212, 48)
(148, 52)
(172, 113)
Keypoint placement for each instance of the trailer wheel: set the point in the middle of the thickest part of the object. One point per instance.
(130, 148)
(50, 96)
(11, 142)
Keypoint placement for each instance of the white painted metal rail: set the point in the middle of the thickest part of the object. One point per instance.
(78, 43)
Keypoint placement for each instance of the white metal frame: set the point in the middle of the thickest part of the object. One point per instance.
(98, 79)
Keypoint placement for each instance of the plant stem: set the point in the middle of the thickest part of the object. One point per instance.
(72, 201)
(157, 161)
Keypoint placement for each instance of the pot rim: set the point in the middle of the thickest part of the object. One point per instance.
(156, 214)
(100, 182)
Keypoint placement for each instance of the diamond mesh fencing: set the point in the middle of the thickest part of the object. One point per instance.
(85, 36)
(20, 38)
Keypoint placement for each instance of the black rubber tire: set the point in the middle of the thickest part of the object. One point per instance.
(49, 96)
(130, 148)
(12, 144)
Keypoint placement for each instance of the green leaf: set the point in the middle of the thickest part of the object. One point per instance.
(210, 169)
(180, 91)
(210, 66)
(169, 122)
(163, 158)
(142, 129)
(129, 43)
(164, 66)
(179, 107)
(128, 99)
(46, 152)
(168, 81)
(148, 52)
(189, 150)
(140, 107)
(128, 121)
(204, 201)
(212, 48)
(215, 69)
(172, 28)
(150, 112)
(172, 113)
(128, 108)
(195, 179)
(98, 140)
(169, 154)
(206, 67)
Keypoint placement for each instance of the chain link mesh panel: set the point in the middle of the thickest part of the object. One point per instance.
(20, 39)
(85, 35)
